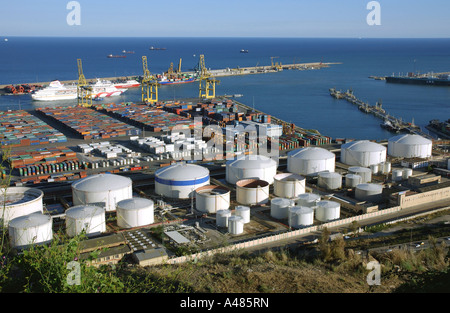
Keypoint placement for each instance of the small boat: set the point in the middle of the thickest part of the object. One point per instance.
(154, 48)
(244, 51)
(127, 52)
(115, 56)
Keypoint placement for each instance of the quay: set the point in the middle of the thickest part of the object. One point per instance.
(273, 68)
(391, 123)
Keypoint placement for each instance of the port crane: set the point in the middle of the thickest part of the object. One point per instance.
(276, 65)
(149, 85)
(84, 90)
(207, 85)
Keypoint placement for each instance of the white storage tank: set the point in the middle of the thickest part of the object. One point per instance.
(407, 172)
(363, 153)
(352, 180)
(328, 210)
(180, 180)
(308, 199)
(244, 212)
(310, 161)
(364, 172)
(222, 218)
(210, 198)
(251, 166)
(26, 230)
(279, 207)
(369, 192)
(19, 201)
(289, 185)
(235, 225)
(301, 216)
(135, 212)
(397, 175)
(87, 218)
(330, 180)
(375, 168)
(385, 168)
(410, 146)
(252, 191)
(103, 190)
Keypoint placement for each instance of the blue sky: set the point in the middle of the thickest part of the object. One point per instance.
(226, 18)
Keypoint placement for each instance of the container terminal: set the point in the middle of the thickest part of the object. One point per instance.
(148, 180)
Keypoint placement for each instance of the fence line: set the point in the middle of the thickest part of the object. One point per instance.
(283, 236)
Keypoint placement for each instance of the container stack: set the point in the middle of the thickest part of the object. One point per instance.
(142, 116)
(19, 129)
(88, 123)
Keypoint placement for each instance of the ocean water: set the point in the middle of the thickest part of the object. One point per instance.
(300, 97)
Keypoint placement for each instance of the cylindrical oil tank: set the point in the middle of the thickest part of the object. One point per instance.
(310, 161)
(364, 172)
(308, 199)
(210, 198)
(384, 168)
(222, 218)
(301, 217)
(329, 180)
(328, 210)
(352, 180)
(375, 168)
(252, 191)
(362, 153)
(397, 175)
(26, 230)
(410, 146)
(279, 207)
(289, 185)
(369, 192)
(19, 201)
(407, 172)
(251, 167)
(235, 225)
(135, 212)
(87, 218)
(180, 180)
(103, 190)
(244, 212)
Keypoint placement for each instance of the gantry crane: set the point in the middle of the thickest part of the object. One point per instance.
(170, 70)
(149, 85)
(206, 83)
(276, 65)
(84, 90)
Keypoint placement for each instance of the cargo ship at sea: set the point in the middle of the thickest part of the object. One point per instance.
(424, 79)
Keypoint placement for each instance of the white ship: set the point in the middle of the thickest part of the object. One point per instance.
(104, 88)
(55, 91)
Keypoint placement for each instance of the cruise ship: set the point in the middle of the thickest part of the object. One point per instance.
(55, 91)
(104, 88)
(58, 91)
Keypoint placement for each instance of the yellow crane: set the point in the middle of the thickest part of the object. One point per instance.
(149, 85)
(276, 65)
(207, 85)
(179, 67)
(84, 94)
(170, 70)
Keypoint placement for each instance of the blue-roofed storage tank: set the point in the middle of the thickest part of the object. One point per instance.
(180, 180)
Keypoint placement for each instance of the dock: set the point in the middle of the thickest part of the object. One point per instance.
(214, 72)
(391, 123)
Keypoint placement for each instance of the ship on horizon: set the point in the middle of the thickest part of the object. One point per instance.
(421, 79)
